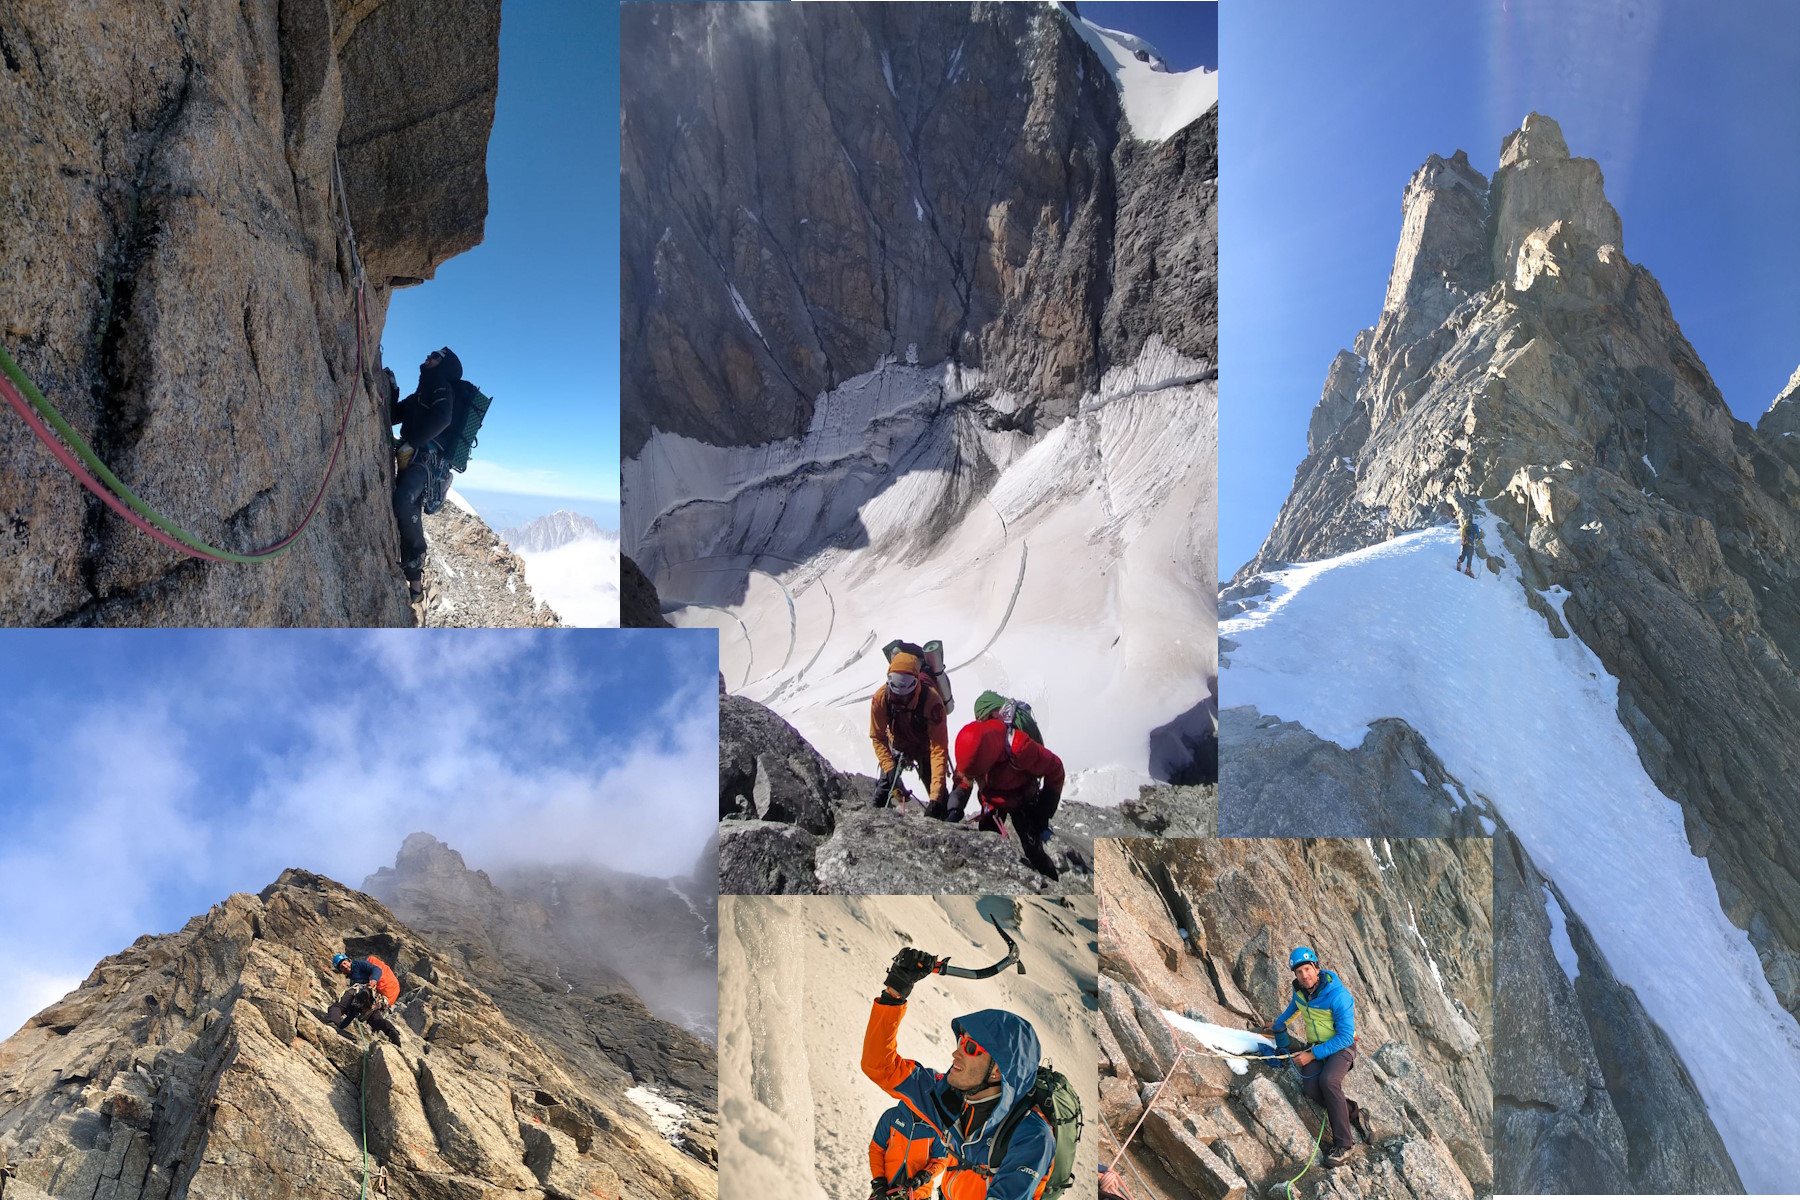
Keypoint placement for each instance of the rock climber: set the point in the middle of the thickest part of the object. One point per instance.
(1328, 1013)
(1465, 524)
(993, 1066)
(906, 1157)
(909, 727)
(423, 417)
(373, 987)
(1017, 776)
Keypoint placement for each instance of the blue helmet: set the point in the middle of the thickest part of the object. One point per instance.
(1302, 954)
(338, 958)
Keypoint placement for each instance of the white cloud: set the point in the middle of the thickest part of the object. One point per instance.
(487, 475)
(29, 991)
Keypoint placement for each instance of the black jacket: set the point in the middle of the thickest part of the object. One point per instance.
(425, 415)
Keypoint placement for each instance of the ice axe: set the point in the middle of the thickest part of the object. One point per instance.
(1012, 959)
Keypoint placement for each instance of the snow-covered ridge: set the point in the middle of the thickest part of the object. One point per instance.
(1529, 723)
(1159, 103)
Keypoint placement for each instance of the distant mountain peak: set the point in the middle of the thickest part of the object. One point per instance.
(551, 530)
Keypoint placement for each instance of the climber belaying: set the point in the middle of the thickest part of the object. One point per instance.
(423, 417)
(1018, 777)
(993, 1108)
(909, 727)
(373, 987)
(1328, 1015)
(906, 1157)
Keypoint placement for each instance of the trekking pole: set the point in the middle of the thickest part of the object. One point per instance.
(1012, 959)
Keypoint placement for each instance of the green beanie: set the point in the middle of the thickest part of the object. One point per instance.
(987, 704)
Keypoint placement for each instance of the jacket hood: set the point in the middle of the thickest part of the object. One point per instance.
(1014, 1044)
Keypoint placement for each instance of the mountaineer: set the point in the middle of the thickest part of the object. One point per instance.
(906, 1157)
(1000, 753)
(373, 987)
(423, 417)
(1328, 1013)
(993, 1109)
(1471, 533)
(909, 726)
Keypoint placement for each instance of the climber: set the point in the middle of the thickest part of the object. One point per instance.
(1328, 1012)
(906, 1157)
(1471, 532)
(992, 1069)
(1018, 777)
(373, 987)
(909, 727)
(423, 417)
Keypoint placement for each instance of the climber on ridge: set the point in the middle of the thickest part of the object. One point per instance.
(906, 1157)
(423, 418)
(1018, 777)
(992, 1070)
(909, 727)
(1471, 533)
(1328, 1013)
(373, 987)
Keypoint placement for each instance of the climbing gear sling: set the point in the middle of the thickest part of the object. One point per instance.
(74, 453)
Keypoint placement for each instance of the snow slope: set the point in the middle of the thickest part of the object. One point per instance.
(1076, 572)
(1529, 721)
(797, 976)
(1224, 1040)
(1159, 103)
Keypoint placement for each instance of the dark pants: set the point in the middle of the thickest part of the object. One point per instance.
(360, 1002)
(409, 511)
(1029, 820)
(1467, 556)
(884, 786)
(1323, 1079)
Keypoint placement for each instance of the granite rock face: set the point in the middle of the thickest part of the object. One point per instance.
(473, 579)
(178, 282)
(1203, 929)
(196, 1064)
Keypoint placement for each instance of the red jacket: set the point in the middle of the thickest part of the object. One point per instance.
(981, 760)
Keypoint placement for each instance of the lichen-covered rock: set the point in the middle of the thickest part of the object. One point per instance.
(473, 580)
(177, 281)
(1195, 927)
(197, 1064)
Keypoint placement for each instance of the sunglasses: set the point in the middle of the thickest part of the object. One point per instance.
(969, 1046)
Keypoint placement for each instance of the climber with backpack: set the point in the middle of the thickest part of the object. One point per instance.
(373, 987)
(1002, 753)
(906, 1157)
(909, 725)
(1009, 1125)
(438, 424)
(1328, 1013)
(1470, 529)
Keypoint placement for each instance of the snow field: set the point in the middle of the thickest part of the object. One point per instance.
(1529, 721)
(797, 977)
(1223, 1039)
(1158, 103)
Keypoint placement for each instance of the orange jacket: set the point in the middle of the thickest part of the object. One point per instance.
(1005, 780)
(1025, 1171)
(904, 733)
(904, 1146)
(388, 985)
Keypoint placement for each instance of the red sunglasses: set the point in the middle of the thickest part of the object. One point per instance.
(968, 1046)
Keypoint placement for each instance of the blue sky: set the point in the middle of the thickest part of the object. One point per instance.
(533, 311)
(1186, 33)
(146, 775)
(1692, 111)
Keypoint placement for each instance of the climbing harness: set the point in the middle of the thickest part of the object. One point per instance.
(74, 453)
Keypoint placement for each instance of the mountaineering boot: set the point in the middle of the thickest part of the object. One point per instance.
(1335, 1157)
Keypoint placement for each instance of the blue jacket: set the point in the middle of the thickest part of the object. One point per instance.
(1329, 1013)
(1014, 1045)
(364, 971)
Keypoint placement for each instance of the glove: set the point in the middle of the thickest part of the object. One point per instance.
(1048, 799)
(403, 456)
(959, 800)
(909, 966)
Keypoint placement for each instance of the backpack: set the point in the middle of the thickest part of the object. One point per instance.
(1053, 1098)
(931, 669)
(1016, 714)
(458, 437)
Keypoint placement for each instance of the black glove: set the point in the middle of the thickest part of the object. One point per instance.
(1048, 799)
(959, 799)
(909, 966)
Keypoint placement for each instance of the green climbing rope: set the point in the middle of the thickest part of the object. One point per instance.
(1318, 1140)
(368, 1043)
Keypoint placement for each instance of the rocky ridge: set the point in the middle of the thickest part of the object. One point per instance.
(473, 579)
(196, 1064)
(791, 824)
(552, 530)
(1203, 928)
(178, 282)
(1520, 359)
